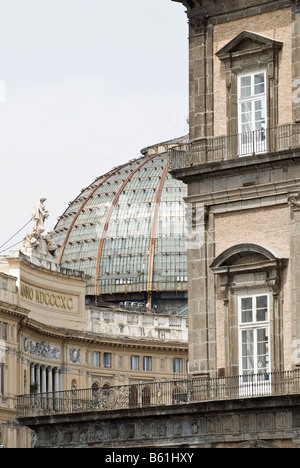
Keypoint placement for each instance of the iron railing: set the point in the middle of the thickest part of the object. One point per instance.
(223, 148)
(158, 394)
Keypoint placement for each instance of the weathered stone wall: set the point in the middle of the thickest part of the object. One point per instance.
(270, 422)
(274, 24)
(212, 25)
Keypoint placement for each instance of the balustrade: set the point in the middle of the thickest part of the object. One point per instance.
(158, 394)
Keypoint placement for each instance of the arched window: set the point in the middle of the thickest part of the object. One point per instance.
(74, 388)
(95, 395)
(249, 281)
(95, 390)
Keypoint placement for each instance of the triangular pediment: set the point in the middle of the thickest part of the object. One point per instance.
(248, 41)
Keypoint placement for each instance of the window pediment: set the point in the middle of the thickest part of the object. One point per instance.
(248, 42)
(250, 257)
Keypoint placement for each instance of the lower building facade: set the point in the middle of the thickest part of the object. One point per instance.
(50, 342)
(260, 422)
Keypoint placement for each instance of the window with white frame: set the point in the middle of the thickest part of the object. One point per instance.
(177, 366)
(134, 363)
(252, 115)
(254, 336)
(96, 359)
(147, 363)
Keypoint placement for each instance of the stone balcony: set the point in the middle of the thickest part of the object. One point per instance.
(261, 411)
(225, 148)
(158, 394)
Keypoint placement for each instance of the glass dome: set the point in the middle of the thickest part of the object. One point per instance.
(127, 231)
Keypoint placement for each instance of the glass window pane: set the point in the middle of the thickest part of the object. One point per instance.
(245, 81)
(248, 349)
(246, 128)
(247, 336)
(134, 363)
(246, 106)
(259, 83)
(247, 303)
(262, 315)
(247, 117)
(261, 302)
(246, 92)
(107, 360)
(247, 314)
(147, 365)
(177, 366)
(262, 335)
(248, 364)
(246, 86)
(258, 105)
(96, 359)
(259, 116)
(261, 308)
(261, 349)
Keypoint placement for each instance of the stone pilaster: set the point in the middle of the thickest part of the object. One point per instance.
(296, 59)
(201, 88)
(294, 203)
(202, 325)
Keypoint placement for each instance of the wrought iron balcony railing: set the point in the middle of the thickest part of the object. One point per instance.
(283, 137)
(158, 394)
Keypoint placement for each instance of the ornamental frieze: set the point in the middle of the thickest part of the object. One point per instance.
(43, 350)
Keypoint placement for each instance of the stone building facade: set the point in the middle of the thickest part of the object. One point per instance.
(242, 168)
(251, 423)
(50, 341)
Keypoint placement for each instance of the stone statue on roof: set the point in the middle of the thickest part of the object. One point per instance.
(35, 245)
(39, 215)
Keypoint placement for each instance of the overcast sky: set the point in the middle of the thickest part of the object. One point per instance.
(84, 86)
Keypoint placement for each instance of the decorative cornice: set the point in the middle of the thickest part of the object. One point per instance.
(190, 4)
(234, 166)
(237, 45)
(73, 336)
(15, 310)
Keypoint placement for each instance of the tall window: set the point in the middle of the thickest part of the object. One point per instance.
(177, 366)
(134, 363)
(96, 359)
(147, 363)
(254, 337)
(252, 113)
(4, 331)
(107, 360)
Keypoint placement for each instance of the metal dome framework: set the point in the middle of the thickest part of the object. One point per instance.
(127, 231)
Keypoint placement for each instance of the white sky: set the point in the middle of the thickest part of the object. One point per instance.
(84, 86)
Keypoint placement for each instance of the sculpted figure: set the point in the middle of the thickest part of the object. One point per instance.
(35, 244)
(39, 215)
(50, 244)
